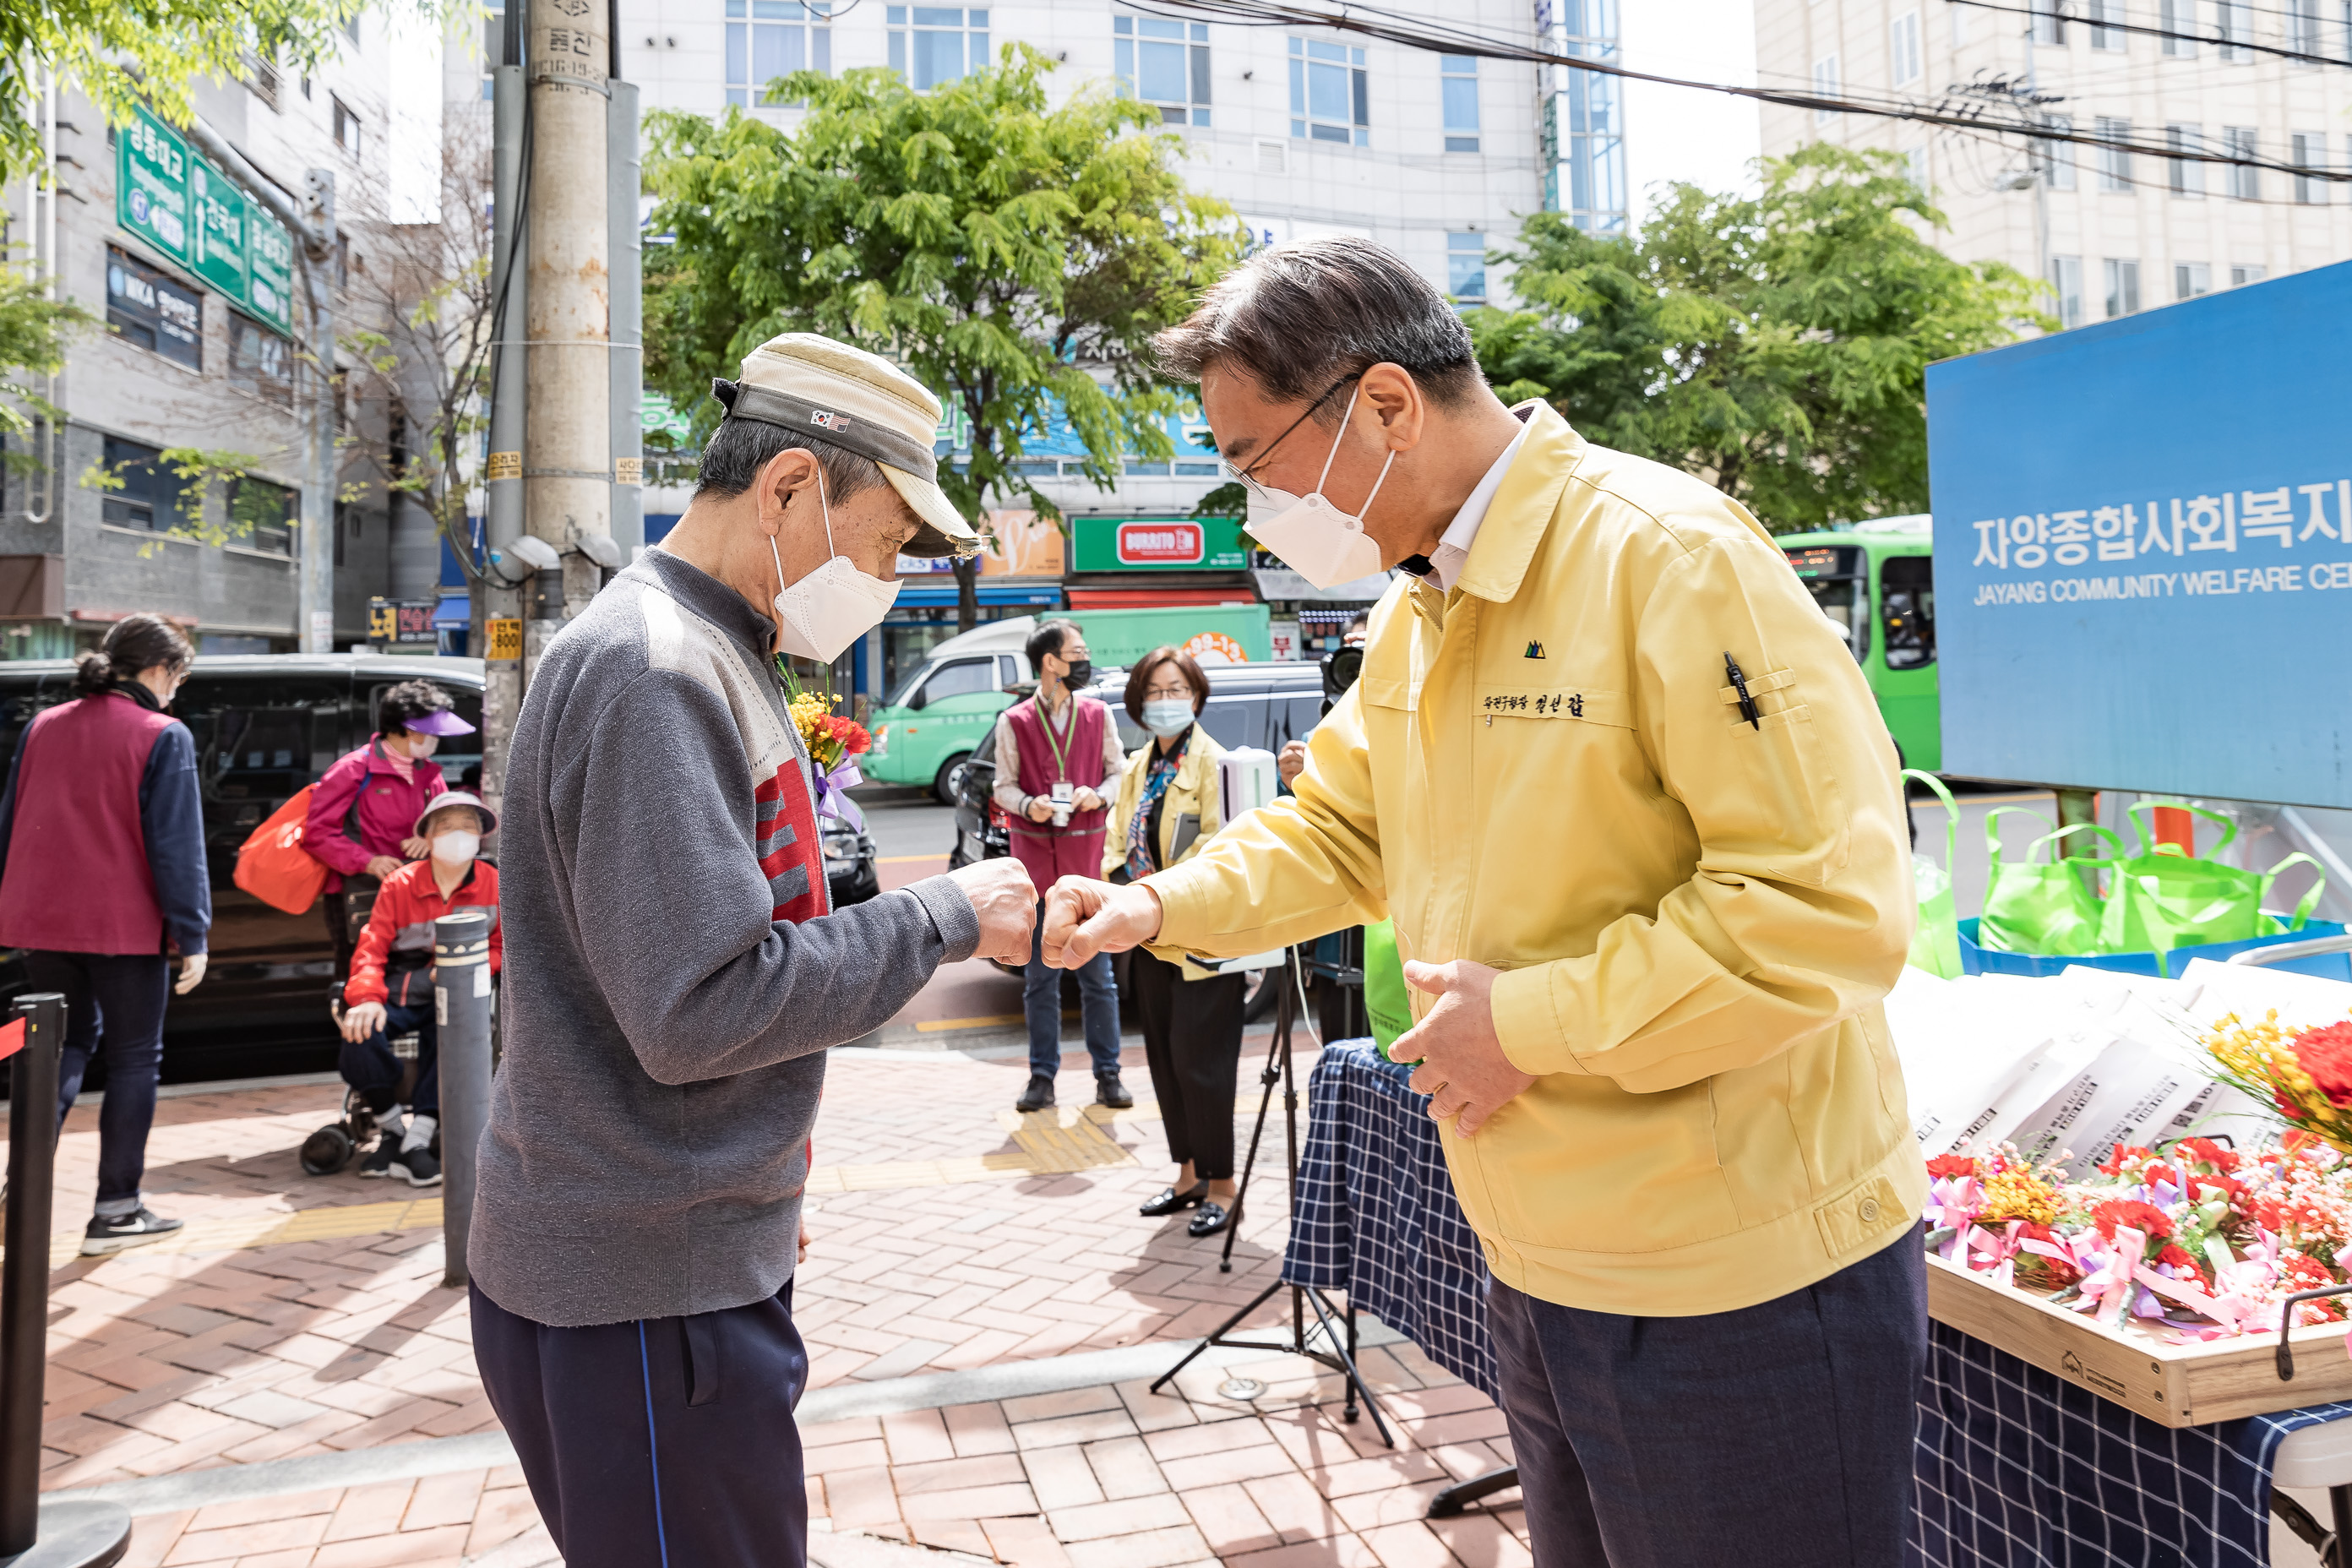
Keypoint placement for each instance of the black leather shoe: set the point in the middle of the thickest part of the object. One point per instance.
(1211, 1219)
(1038, 1096)
(1109, 1091)
(1171, 1200)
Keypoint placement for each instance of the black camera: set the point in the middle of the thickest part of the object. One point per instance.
(1341, 668)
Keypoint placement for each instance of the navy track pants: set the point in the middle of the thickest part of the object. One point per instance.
(667, 1443)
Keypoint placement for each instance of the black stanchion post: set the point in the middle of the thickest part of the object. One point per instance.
(461, 1006)
(61, 1535)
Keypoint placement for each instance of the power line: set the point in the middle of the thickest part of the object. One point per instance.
(1391, 28)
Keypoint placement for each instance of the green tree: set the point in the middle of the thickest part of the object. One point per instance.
(1015, 258)
(1776, 345)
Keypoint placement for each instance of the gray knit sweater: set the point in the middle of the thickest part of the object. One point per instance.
(672, 976)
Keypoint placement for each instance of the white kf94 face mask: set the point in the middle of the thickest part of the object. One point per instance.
(831, 607)
(1321, 544)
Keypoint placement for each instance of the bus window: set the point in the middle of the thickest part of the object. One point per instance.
(1834, 575)
(1907, 593)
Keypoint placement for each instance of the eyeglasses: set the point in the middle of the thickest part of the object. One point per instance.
(1264, 458)
(1180, 691)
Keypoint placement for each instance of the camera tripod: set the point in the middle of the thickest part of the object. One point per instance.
(1333, 1329)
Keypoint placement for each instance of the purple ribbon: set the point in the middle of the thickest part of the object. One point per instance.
(833, 793)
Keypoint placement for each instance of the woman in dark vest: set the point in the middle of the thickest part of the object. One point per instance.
(1054, 753)
(101, 872)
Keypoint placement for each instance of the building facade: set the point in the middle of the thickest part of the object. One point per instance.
(2111, 232)
(1305, 132)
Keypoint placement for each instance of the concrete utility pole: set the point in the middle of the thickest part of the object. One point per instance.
(497, 602)
(567, 472)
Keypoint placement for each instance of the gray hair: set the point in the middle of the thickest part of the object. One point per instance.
(1297, 317)
(740, 448)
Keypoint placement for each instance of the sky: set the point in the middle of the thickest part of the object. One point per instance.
(1677, 133)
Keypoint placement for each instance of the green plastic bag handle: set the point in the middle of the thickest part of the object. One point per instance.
(1951, 813)
(2107, 834)
(2148, 846)
(2310, 900)
(1992, 831)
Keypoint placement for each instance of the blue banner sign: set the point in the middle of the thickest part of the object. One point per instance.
(2144, 549)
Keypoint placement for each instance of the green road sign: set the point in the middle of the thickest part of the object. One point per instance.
(150, 184)
(187, 209)
(270, 253)
(216, 230)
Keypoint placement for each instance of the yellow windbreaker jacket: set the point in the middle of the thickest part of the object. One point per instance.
(1190, 814)
(1546, 771)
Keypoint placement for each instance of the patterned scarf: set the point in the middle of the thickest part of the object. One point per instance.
(1157, 775)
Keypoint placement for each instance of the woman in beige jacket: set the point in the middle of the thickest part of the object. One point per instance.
(1168, 807)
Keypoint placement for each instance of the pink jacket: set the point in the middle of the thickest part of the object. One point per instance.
(388, 808)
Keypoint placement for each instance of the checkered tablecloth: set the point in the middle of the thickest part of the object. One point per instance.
(2016, 1469)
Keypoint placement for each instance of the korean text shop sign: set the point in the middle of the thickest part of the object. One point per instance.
(188, 210)
(1158, 544)
(2144, 549)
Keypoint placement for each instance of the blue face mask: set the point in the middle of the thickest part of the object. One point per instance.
(1168, 717)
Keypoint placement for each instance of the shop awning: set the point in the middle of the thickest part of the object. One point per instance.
(1156, 598)
(455, 612)
(930, 596)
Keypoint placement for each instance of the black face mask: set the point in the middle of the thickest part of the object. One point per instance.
(1082, 673)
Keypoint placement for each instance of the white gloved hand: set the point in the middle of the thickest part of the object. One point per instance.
(192, 973)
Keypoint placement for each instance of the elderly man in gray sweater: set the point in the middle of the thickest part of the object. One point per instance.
(675, 973)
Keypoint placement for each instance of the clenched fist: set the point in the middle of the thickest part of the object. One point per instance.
(1084, 917)
(1005, 899)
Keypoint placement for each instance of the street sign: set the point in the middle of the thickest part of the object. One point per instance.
(2142, 558)
(1158, 544)
(402, 626)
(190, 211)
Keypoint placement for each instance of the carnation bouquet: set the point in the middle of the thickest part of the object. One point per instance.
(832, 740)
(2305, 1073)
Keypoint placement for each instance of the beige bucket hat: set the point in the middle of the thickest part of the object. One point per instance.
(811, 385)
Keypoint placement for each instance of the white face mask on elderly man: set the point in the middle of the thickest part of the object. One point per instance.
(1321, 542)
(834, 605)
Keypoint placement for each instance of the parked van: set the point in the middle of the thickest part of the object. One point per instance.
(1877, 581)
(931, 720)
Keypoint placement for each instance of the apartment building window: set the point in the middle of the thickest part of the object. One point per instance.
(1915, 164)
(2192, 278)
(261, 361)
(1466, 268)
(2123, 288)
(149, 307)
(930, 44)
(2185, 175)
(2058, 157)
(2303, 30)
(2177, 19)
(2241, 275)
(1164, 63)
(347, 127)
(144, 493)
(1960, 15)
(2234, 21)
(1330, 93)
(2048, 24)
(262, 516)
(2114, 162)
(1902, 47)
(2066, 283)
(2245, 180)
(2103, 16)
(494, 49)
(1825, 85)
(769, 39)
(1458, 81)
(2310, 153)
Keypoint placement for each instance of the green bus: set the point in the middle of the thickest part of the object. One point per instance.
(1877, 581)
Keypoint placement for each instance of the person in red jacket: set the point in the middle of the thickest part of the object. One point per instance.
(362, 815)
(390, 988)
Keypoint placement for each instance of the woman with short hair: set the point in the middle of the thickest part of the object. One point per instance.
(101, 873)
(1169, 805)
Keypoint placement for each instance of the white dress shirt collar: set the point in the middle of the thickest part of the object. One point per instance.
(1452, 551)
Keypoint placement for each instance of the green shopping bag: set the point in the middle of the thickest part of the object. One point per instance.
(2043, 907)
(1936, 940)
(1385, 1001)
(2163, 898)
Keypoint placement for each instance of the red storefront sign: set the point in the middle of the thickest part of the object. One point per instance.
(1160, 544)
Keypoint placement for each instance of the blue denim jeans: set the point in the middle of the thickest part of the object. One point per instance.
(114, 1005)
(1778, 1436)
(1041, 1003)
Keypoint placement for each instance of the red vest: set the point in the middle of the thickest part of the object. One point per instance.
(1050, 852)
(78, 877)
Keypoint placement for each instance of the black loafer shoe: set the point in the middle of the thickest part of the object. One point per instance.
(1171, 1200)
(1211, 1219)
(1109, 1091)
(1038, 1096)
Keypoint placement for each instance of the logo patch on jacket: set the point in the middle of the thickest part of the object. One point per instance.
(791, 854)
(1534, 650)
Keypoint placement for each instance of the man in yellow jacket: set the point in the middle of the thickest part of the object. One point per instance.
(1636, 819)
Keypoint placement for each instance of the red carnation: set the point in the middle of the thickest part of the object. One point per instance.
(2325, 1053)
(2180, 1258)
(2125, 1153)
(2205, 1152)
(854, 737)
(1951, 1166)
(2130, 1214)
